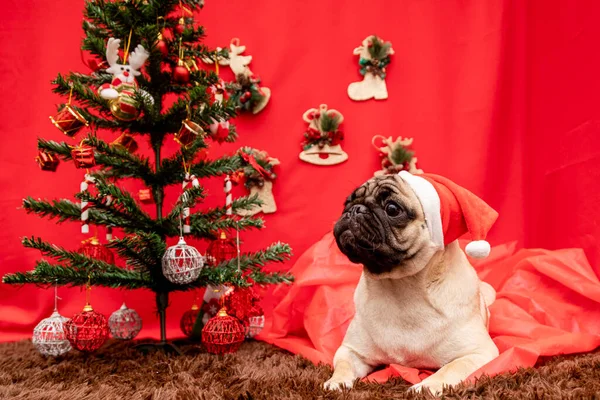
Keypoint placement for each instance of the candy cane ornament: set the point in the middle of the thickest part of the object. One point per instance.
(186, 210)
(109, 228)
(87, 180)
(228, 196)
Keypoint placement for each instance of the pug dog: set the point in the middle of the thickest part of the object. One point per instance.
(418, 304)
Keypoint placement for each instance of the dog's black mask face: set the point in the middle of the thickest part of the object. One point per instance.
(379, 227)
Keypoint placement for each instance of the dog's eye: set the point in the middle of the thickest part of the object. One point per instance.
(392, 209)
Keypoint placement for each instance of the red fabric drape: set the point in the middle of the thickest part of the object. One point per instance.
(548, 303)
(502, 97)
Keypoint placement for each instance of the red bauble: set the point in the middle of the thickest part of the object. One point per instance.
(181, 73)
(188, 319)
(220, 250)
(223, 334)
(180, 27)
(162, 46)
(93, 249)
(88, 330)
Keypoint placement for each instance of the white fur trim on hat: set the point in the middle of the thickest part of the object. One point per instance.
(478, 249)
(430, 201)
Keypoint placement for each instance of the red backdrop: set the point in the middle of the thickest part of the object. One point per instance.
(500, 96)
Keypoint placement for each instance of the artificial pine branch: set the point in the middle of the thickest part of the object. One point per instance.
(245, 203)
(83, 93)
(263, 278)
(143, 251)
(77, 261)
(204, 229)
(63, 210)
(187, 199)
(121, 162)
(277, 252)
(171, 172)
(67, 210)
(46, 274)
(122, 206)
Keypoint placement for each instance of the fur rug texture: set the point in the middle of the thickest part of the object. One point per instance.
(257, 371)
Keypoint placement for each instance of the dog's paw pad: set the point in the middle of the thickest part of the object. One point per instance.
(335, 384)
(435, 388)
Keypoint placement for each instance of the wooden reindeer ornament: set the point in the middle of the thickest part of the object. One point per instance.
(395, 155)
(246, 91)
(321, 145)
(374, 56)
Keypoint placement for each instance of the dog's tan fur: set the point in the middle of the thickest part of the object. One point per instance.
(428, 312)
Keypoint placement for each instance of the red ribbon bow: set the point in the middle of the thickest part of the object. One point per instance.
(252, 161)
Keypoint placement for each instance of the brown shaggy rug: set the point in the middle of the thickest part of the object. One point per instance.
(257, 371)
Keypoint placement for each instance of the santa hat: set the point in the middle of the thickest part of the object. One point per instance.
(451, 211)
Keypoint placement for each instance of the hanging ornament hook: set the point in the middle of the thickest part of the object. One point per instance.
(237, 244)
(70, 93)
(88, 289)
(56, 298)
(127, 47)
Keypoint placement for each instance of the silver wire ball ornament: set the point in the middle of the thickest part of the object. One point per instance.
(181, 263)
(125, 323)
(49, 336)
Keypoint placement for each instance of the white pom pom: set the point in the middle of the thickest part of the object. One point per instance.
(478, 249)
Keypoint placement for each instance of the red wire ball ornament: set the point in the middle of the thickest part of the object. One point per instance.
(93, 249)
(188, 319)
(223, 334)
(88, 330)
(220, 250)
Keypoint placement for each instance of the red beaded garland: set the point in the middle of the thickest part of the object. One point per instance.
(223, 334)
(87, 331)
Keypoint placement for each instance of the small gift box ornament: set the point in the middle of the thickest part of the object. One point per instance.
(69, 121)
(188, 132)
(83, 156)
(321, 145)
(145, 196)
(395, 155)
(47, 161)
(374, 57)
(127, 142)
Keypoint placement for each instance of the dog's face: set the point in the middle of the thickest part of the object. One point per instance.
(383, 227)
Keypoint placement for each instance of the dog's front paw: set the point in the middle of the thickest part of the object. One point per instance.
(338, 384)
(435, 387)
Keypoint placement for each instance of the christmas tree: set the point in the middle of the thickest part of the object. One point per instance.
(155, 91)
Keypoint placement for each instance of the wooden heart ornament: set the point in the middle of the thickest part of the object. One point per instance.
(323, 137)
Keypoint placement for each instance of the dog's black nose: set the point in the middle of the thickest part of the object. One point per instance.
(358, 209)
